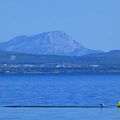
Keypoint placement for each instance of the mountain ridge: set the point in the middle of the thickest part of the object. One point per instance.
(47, 43)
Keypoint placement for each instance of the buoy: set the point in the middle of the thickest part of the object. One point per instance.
(102, 105)
(119, 104)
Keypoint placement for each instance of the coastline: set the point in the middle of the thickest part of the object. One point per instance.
(46, 70)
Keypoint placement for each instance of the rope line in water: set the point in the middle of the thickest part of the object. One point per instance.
(56, 106)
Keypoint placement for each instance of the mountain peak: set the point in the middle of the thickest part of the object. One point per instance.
(48, 43)
(55, 32)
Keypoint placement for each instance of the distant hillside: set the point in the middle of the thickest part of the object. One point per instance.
(49, 43)
(110, 59)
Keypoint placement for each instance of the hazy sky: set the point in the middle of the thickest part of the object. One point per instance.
(94, 23)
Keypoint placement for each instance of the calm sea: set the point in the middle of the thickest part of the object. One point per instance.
(59, 89)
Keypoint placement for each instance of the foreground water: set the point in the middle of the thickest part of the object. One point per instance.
(59, 114)
(59, 89)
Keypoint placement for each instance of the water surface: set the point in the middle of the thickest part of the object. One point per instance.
(59, 114)
(59, 89)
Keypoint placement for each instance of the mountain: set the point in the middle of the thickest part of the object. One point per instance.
(49, 43)
(110, 54)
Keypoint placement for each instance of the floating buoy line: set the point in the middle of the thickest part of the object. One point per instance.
(102, 105)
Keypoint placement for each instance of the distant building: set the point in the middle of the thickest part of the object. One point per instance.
(94, 65)
(12, 57)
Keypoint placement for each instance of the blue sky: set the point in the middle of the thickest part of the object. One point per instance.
(94, 23)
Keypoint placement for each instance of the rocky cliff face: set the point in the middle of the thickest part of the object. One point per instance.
(49, 43)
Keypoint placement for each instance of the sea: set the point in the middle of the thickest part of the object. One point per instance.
(75, 89)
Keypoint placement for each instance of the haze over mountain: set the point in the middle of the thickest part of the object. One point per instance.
(49, 43)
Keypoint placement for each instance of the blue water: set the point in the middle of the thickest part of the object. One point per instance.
(59, 89)
(59, 114)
